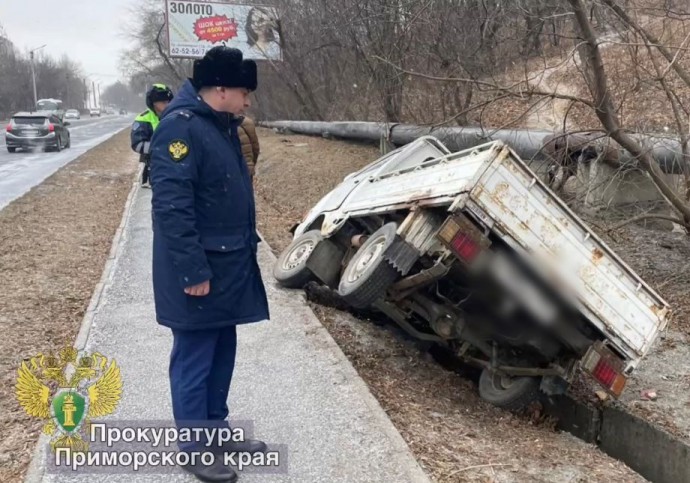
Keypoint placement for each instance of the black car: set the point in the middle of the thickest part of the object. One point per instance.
(28, 130)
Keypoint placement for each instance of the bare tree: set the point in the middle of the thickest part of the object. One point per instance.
(505, 63)
(606, 112)
(54, 78)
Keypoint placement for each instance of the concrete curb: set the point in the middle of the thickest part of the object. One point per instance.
(36, 469)
(317, 329)
(108, 269)
(648, 449)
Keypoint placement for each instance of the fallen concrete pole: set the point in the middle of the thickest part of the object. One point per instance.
(529, 144)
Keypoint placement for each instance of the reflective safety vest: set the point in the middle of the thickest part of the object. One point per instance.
(150, 117)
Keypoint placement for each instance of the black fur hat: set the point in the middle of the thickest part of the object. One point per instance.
(224, 67)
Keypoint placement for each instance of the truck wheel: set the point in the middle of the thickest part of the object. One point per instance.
(291, 269)
(11, 150)
(368, 275)
(511, 393)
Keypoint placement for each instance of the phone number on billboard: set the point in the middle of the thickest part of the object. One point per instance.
(187, 51)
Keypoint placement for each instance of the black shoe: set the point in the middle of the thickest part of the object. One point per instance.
(251, 446)
(215, 472)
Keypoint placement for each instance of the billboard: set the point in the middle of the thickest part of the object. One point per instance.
(194, 27)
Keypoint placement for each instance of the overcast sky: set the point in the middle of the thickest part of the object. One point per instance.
(91, 32)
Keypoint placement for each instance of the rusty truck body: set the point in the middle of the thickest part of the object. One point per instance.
(473, 251)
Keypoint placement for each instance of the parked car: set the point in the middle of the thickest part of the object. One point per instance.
(95, 112)
(28, 130)
(72, 114)
(473, 251)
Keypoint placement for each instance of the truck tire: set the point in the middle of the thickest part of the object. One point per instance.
(511, 393)
(290, 270)
(11, 150)
(368, 275)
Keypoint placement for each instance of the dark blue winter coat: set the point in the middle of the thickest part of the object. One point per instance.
(204, 224)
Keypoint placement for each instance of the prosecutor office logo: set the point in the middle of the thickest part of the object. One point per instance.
(68, 403)
(178, 150)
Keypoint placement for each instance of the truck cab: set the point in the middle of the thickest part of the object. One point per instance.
(53, 106)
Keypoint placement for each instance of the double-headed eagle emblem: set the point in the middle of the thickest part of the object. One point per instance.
(178, 150)
(68, 403)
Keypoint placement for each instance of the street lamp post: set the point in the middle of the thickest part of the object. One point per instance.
(33, 72)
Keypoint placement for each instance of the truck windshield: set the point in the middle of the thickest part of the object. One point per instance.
(48, 106)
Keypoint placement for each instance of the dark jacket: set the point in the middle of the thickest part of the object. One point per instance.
(203, 219)
(142, 132)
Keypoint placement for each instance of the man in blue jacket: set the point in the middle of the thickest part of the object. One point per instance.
(206, 278)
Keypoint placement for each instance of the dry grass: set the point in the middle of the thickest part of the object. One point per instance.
(53, 245)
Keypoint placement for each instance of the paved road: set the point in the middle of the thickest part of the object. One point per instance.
(21, 171)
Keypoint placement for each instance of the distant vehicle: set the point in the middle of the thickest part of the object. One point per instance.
(108, 111)
(72, 114)
(28, 130)
(95, 112)
(53, 106)
(123, 112)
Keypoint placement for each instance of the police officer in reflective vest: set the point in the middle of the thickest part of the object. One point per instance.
(206, 278)
(157, 99)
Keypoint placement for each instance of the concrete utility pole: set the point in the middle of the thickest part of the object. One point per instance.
(33, 72)
(93, 87)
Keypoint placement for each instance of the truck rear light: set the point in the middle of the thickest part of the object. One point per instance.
(51, 127)
(606, 368)
(9, 128)
(462, 237)
(465, 247)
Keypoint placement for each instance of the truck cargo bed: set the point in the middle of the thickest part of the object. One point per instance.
(534, 221)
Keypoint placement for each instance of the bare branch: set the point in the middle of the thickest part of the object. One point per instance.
(471, 108)
(649, 37)
(476, 467)
(166, 59)
(490, 86)
(677, 57)
(635, 219)
(607, 115)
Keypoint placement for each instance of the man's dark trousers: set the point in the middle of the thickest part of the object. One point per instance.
(146, 173)
(201, 367)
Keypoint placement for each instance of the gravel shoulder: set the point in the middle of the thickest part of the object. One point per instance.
(54, 242)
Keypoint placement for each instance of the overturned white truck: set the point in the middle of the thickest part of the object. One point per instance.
(473, 251)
